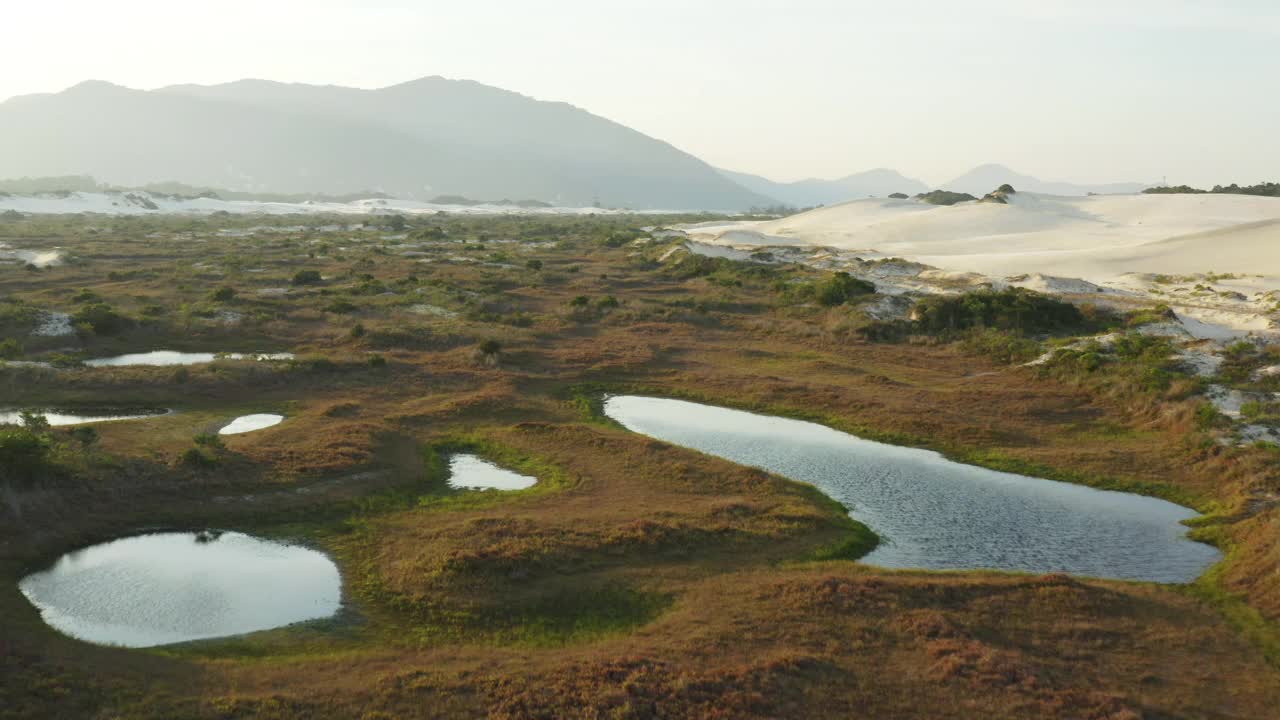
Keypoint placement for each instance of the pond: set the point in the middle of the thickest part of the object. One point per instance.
(76, 416)
(469, 472)
(174, 587)
(936, 514)
(169, 357)
(249, 423)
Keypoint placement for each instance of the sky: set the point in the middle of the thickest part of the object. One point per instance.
(1072, 90)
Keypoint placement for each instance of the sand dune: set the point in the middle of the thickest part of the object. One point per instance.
(1096, 238)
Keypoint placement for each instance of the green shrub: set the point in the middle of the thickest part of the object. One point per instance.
(840, 288)
(1206, 416)
(24, 455)
(306, 277)
(86, 435)
(223, 294)
(101, 319)
(197, 457)
(1014, 309)
(10, 349)
(209, 440)
(340, 307)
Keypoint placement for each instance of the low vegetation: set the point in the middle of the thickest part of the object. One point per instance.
(637, 579)
(1265, 189)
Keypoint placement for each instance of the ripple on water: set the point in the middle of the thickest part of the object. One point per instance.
(174, 587)
(936, 514)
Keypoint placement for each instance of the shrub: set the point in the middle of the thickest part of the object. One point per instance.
(534, 265)
(608, 302)
(340, 307)
(1014, 309)
(35, 422)
(101, 319)
(357, 330)
(196, 457)
(24, 455)
(306, 277)
(842, 287)
(1206, 416)
(86, 435)
(223, 294)
(209, 440)
(10, 349)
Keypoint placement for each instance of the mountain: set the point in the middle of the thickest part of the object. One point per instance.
(985, 178)
(808, 193)
(416, 140)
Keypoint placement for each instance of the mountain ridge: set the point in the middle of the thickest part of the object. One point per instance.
(416, 140)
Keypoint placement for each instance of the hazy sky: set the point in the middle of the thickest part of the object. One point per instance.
(1083, 90)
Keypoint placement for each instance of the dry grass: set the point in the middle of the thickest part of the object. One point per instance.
(638, 580)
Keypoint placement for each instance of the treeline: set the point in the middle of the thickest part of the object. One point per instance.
(1266, 189)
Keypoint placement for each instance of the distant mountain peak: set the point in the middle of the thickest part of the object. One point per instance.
(988, 176)
(877, 182)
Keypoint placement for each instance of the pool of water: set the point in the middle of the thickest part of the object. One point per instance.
(469, 472)
(170, 357)
(249, 423)
(936, 514)
(165, 588)
(78, 416)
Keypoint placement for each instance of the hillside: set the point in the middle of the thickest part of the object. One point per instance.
(416, 140)
(812, 192)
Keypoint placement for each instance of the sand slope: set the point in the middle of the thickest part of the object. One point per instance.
(1097, 238)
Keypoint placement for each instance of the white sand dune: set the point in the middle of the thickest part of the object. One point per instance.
(1096, 238)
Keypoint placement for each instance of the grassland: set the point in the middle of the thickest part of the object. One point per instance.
(638, 579)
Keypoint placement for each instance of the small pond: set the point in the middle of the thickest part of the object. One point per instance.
(469, 472)
(173, 587)
(170, 357)
(77, 416)
(936, 514)
(249, 423)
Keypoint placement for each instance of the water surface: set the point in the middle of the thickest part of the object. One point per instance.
(936, 514)
(469, 472)
(57, 418)
(249, 423)
(173, 587)
(169, 357)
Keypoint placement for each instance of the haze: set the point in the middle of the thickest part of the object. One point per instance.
(1079, 91)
